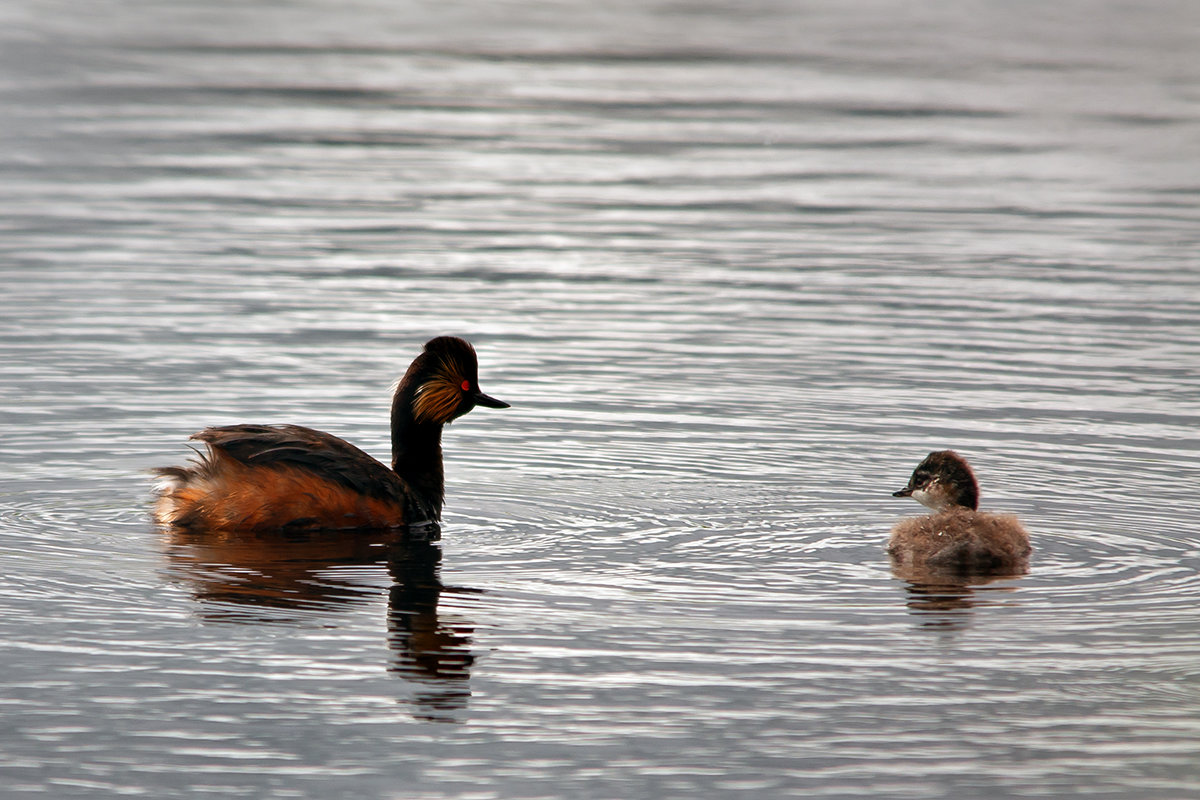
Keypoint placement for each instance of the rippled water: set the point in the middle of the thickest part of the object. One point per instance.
(737, 268)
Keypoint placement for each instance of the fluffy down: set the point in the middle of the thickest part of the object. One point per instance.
(960, 537)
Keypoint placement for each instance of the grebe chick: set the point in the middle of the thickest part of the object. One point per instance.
(955, 535)
(271, 477)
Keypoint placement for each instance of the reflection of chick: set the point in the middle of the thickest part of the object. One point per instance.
(955, 536)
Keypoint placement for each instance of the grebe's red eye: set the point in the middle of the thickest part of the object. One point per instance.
(466, 386)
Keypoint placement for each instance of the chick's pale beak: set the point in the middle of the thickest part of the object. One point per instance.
(482, 399)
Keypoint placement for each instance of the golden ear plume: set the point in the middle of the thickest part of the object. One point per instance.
(438, 398)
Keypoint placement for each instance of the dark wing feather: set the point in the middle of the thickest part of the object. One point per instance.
(304, 448)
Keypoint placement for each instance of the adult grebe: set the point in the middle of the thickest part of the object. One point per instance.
(271, 477)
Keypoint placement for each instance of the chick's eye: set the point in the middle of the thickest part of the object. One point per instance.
(466, 386)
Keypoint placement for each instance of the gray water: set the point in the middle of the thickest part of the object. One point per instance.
(737, 267)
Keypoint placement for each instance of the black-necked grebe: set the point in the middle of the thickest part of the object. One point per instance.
(956, 534)
(270, 477)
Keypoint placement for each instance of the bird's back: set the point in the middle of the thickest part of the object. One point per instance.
(960, 537)
(255, 477)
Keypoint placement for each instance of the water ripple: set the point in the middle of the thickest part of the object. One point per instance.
(734, 287)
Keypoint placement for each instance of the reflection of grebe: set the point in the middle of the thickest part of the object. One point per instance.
(266, 576)
(266, 477)
(955, 537)
(279, 576)
(431, 650)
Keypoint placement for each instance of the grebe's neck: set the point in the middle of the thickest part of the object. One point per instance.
(417, 458)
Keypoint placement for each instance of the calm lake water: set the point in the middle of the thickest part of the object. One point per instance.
(736, 266)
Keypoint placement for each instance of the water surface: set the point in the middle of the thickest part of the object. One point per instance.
(736, 269)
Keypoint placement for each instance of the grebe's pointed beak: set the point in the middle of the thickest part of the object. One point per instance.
(482, 399)
(905, 492)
